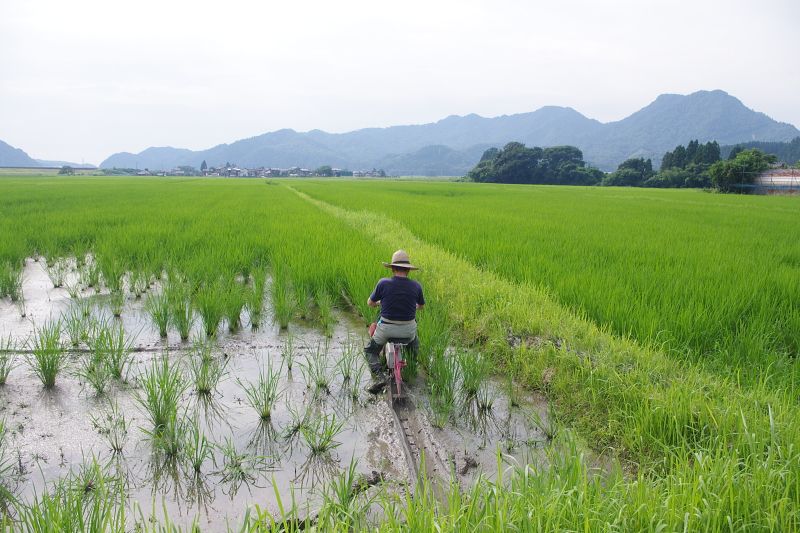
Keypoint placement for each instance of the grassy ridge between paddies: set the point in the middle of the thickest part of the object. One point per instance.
(709, 454)
(714, 277)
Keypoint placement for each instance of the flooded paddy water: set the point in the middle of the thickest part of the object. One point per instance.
(322, 420)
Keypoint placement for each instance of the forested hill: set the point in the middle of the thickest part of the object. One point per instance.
(454, 145)
(14, 157)
(787, 152)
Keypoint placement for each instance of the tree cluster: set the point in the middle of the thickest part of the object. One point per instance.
(515, 163)
(787, 152)
(67, 170)
(684, 167)
(734, 174)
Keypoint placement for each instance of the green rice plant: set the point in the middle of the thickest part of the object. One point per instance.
(116, 302)
(76, 325)
(197, 447)
(298, 420)
(84, 305)
(263, 394)
(57, 270)
(112, 345)
(444, 374)
(210, 305)
(89, 274)
(325, 304)
(113, 272)
(474, 371)
(350, 365)
(161, 386)
(344, 502)
(304, 301)
(113, 426)
(316, 371)
(254, 297)
(235, 301)
(13, 283)
(320, 432)
(181, 309)
(21, 305)
(206, 371)
(73, 289)
(170, 438)
(158, 309)
(139, 281)
(93, 369)
(6, 279)
(283, 299)
(8, 357)
(47, 357)
(289, 350)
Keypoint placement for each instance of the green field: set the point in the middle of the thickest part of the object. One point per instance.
(662, 325)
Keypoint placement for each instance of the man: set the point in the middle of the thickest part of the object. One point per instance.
(399, 299)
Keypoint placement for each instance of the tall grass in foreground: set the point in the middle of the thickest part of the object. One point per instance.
(8, 357)
(47, 357)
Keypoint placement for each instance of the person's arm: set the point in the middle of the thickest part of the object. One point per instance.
(420, 306)
(373, 304)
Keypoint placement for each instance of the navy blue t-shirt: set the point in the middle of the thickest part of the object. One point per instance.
(399, 297)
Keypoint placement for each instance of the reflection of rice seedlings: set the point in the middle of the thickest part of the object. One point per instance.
(158, 309)
(210, 305)
(206, 371)
(474, 371)
(47, 358)
(316, 371)
(263, 394)
(297, 423)
(325, 305)
(317, 470)
(264, 441)
(8, 360)
(512, 391)
(169, 438)
(197, 448)
(237, 468)
(116, 302)
(56, 270)
(319, 434)
(113, 425)
(111, 344)
(485, 397)
(181, 310)
(235, 300)
(160, 390)
(289, 350)
(283, 302)
(548, 425)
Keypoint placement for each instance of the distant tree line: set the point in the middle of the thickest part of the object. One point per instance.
(787, 152)
(693, 166)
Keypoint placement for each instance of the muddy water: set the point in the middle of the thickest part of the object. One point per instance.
(53, 432)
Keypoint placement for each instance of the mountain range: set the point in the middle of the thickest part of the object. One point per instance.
(454, 145)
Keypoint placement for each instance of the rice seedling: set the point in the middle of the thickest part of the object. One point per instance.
(254, 297)
(235, 300)
(47, 358)
(206, 370)
(304, 301)
(113, 272)
(20, 303)
(8, 358)
(320, 432)
(210, 304)
(263, 394)
(181, 309)
(289, 351)
(6, 279)
(12, 285)
(283, 300)
(112, 345)
(316, 371)
(93, 369)
(113, 425)
(474, 371)
(57, 270)
(344, 503)
(89, 275)
(157, 307)
(73, 289)
(161, 386)
(76, 326)
(139, 282)
(325, 304)
(298, 421)
(116, 302)
(197, 447)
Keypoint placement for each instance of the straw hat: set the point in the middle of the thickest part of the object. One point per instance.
(400, 259)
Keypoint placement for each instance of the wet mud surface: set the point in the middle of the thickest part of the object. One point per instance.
(51, 432)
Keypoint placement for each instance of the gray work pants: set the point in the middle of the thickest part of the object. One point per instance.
(383, 332)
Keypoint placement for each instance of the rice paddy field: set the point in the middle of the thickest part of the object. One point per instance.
(642, 343)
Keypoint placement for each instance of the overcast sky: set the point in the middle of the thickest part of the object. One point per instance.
(83, 79)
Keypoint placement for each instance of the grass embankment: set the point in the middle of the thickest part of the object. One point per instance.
(707, 454)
